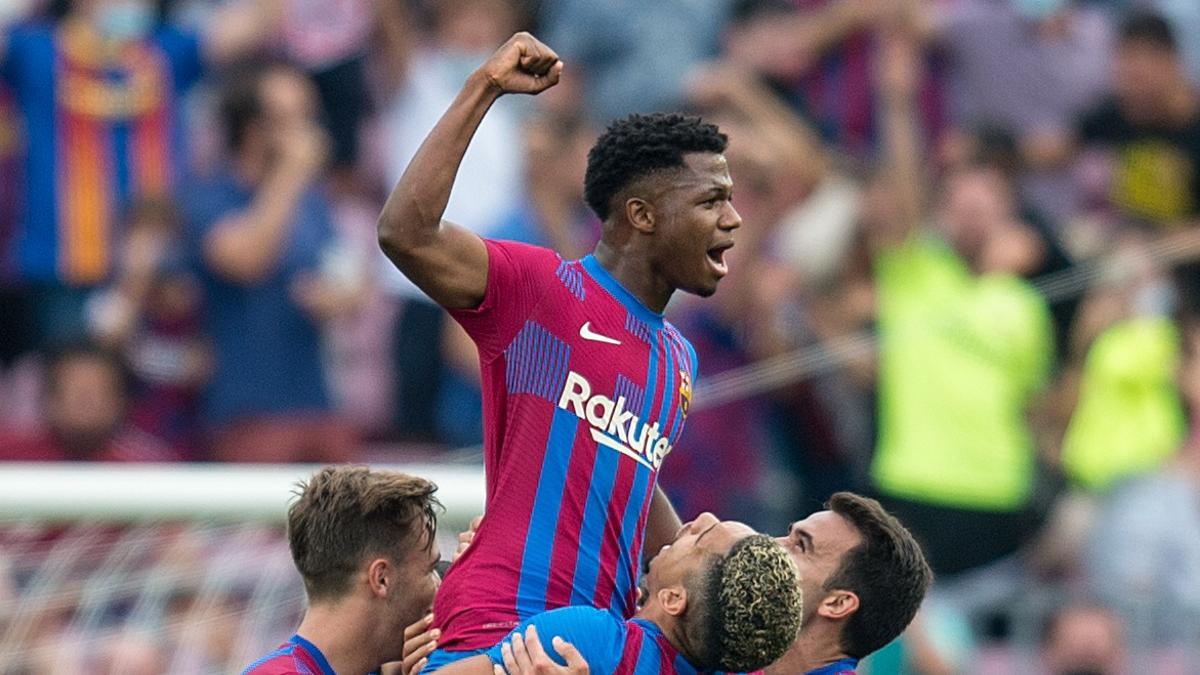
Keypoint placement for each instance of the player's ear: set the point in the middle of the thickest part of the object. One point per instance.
(673, 599)
(640, 214)
(838, 604)
(381, 577)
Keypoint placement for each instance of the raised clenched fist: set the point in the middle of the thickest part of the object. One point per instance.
(523, 65)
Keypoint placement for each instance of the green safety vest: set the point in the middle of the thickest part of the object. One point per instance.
(960, 358)
(1129, 417)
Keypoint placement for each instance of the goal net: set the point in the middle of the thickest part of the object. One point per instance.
(160, 569)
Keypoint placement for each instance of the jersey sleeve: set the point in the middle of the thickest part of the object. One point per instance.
(597, 634)
(518, 276)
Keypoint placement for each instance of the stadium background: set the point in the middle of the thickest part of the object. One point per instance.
(1088, 563)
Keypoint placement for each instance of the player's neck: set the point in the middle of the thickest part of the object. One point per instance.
(635, 274)
(816, 646)
(339, 632)
(668, 624)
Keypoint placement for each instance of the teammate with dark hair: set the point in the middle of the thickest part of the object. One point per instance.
(586, 386)
(864, 578)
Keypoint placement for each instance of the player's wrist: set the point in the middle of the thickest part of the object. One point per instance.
(483, 87)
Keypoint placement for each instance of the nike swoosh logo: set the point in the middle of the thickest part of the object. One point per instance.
(585, 332)
(610, 442)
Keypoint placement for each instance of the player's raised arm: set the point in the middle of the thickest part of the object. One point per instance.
(448, 262)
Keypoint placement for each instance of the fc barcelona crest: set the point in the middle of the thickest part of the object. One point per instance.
(685, 392)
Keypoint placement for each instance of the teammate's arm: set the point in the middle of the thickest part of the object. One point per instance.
(447, 262)
(662, 524)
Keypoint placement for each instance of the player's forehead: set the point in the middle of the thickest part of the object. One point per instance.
(723, 535)
(706, 169)
(826, 530)
(700, 171)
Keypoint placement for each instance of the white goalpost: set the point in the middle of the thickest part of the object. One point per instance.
(117, 492)
(161, 568)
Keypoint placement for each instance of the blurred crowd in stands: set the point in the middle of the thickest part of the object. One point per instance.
(968, 281)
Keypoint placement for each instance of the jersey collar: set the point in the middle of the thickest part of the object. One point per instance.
(315, 653)
(615, 289)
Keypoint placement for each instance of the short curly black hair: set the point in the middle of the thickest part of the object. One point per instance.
(639, 144)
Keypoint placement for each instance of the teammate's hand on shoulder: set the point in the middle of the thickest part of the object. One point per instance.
(527, 657)
(523, 65)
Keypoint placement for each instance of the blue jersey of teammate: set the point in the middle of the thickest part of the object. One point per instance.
(609, 645)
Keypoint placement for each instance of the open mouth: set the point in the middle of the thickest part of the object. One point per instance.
(716, 258)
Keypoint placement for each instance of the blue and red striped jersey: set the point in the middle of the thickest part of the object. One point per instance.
(297, 656)
(101, 130)
(608, 644)
(585, 393)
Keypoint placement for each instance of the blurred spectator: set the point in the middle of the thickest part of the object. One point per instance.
(261, 229)
(1027, 68)
(1151, 577)
(16, 307)
(993, 157)
(328, 39)
(1128, 417)
(632, 54)
(1084, 640)
(552, 212)
(86, 408)
(824, 54)
(99, 96)
(151, 316)
(359, 345)
(965, 348)
(462, 35)
(1184, 16)
(1151, 125)
(1146, 135)
(489, 184)
(12, 140)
